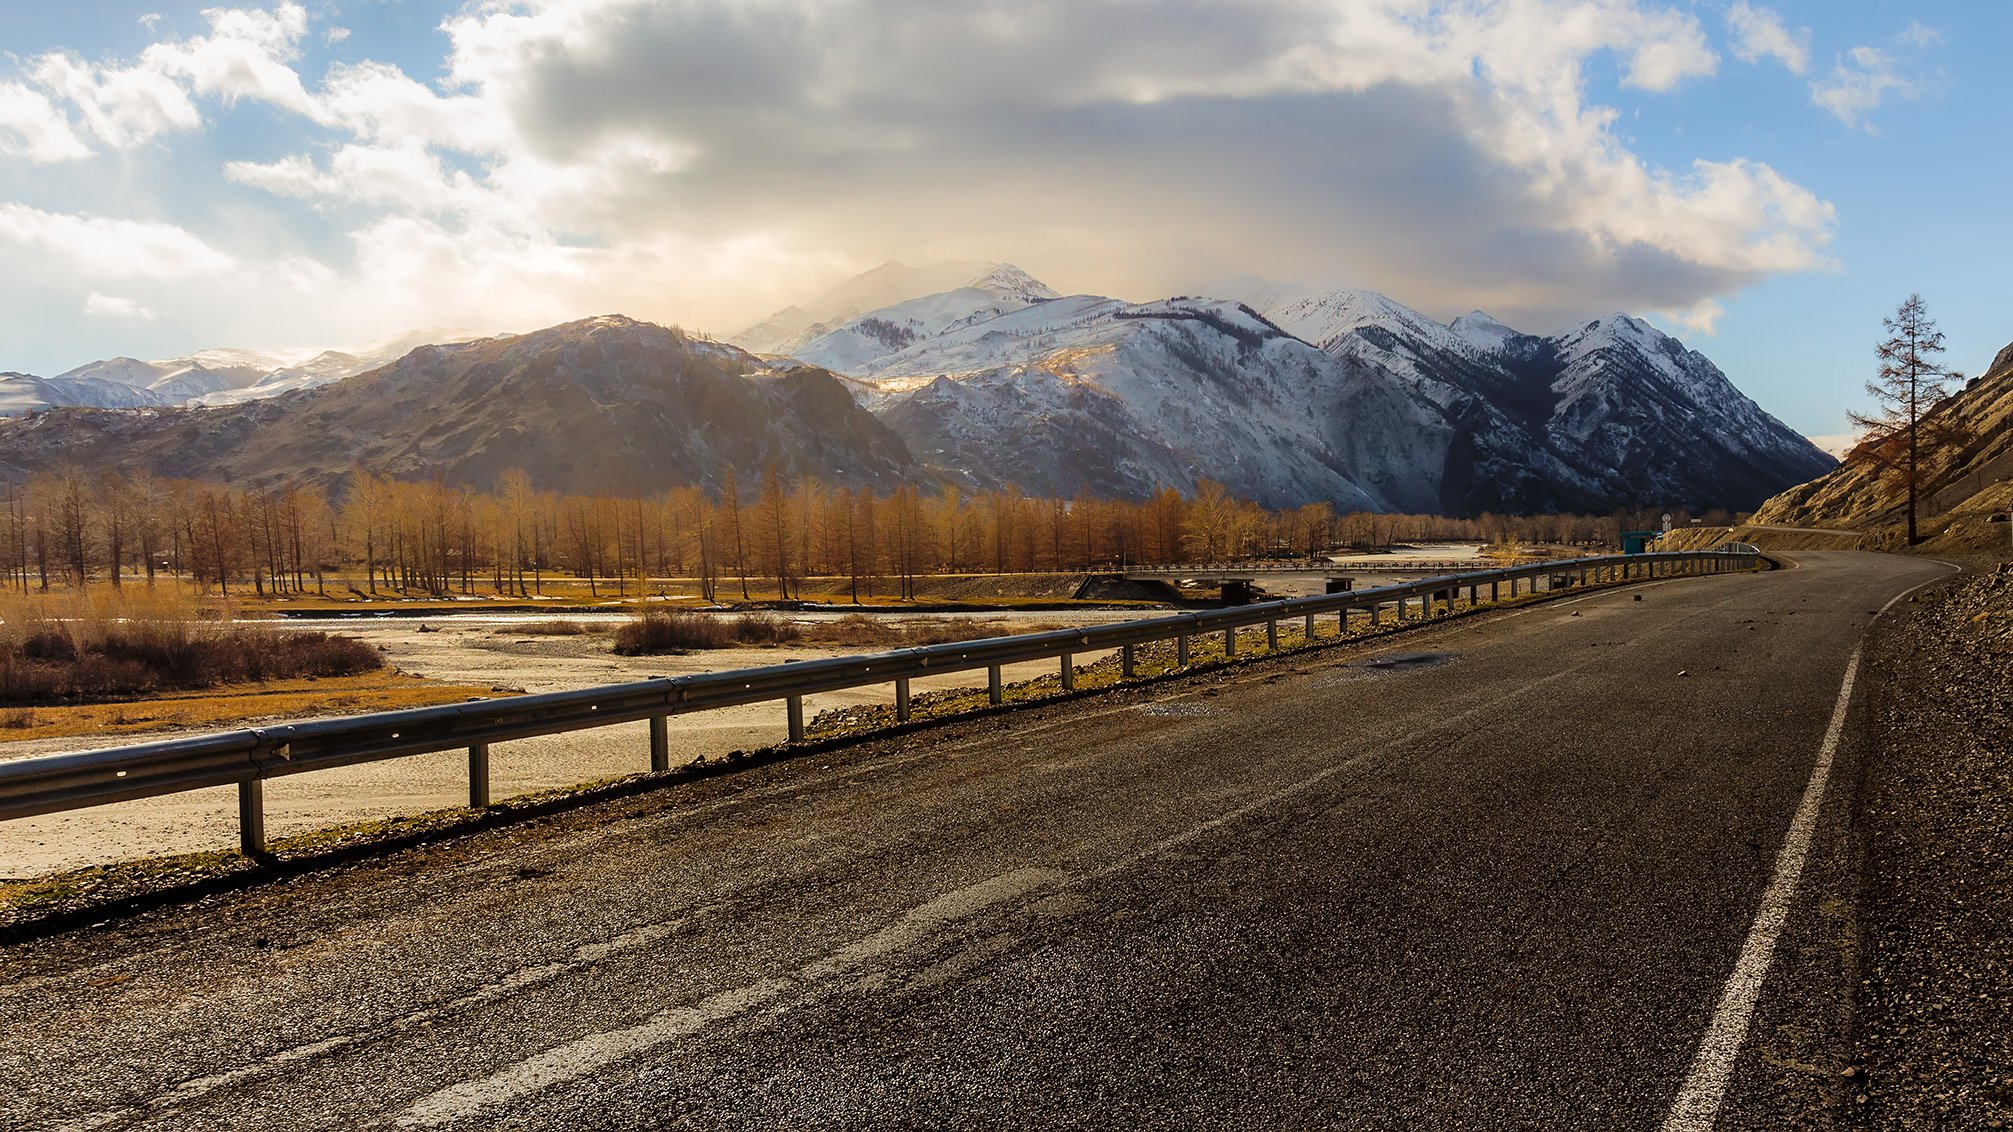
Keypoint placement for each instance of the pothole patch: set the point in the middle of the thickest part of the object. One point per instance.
(1404, 661)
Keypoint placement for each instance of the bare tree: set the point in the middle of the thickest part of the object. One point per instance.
(1901, 432)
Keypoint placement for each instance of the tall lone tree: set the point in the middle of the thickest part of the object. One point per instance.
(1901, 432)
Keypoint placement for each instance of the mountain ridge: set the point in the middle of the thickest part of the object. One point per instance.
(1346, 396)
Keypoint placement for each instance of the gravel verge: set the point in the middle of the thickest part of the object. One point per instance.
(1936, 874)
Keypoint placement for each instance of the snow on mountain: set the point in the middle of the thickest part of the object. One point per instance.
(334, 365)
(1460, 417)
(1482, 333)
(791, 328)
(1091, 394)
(22, 393)
(1258, 292)
(859, 343)
(1667, 419)
(207, 377)
(1324, 319)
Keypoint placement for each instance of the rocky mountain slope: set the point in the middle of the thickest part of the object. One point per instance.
(605, 405)
(1963, 486)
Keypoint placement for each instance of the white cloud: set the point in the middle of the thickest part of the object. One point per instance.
(1759, 33)
(694, 160)
(403, 177)
(335, 35)
(1866, 77)
(120, 106)
(246, 55)
(98, 247)
(32, 127)
(1701, 317)
(116, 306)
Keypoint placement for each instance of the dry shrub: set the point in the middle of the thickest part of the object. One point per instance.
(671, 631)
(111, 646)
(762, 629)
(678, 630)
(550, 629)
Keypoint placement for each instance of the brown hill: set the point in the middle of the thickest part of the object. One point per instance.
(1961, 489)
(604, 405)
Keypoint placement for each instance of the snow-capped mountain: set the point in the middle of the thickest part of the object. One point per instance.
(793, 328)
(1117, 399)
(858, 343)
(207, 377)
(1347, 396)
(1664, 417)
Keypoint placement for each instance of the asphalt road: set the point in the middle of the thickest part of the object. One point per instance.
(1495, 874)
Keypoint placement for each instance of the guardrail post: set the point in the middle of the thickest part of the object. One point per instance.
(796, 710)
(1310, 626)
(1272, 635)
(1125, 661)
(1229, 642)
(902, 700)
(1068, 673)
(1181, 650)
(660, 744)
(994, 692)
(1376, 612)
(478, 776)
(252, 817)
(1495, 590)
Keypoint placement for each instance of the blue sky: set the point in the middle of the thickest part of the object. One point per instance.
(1764, 179)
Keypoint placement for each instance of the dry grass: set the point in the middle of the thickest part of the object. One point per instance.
(214, 711)
(110, 645)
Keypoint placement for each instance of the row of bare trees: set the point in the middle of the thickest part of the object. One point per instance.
(385, 535)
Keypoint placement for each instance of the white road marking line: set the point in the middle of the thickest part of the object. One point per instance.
(1696, 1108)
(1697, 1104)
(590, 1054)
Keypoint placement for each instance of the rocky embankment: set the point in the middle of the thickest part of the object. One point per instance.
(1936, 815)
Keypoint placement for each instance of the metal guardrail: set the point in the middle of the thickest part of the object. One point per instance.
(54, 783)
